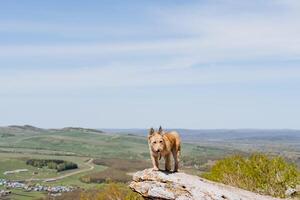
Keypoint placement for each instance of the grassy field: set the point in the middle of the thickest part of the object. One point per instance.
(81, 144)
(14, 161)
(75, 179)
(21, 195)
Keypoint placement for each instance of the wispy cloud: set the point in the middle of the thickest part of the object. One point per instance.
(67, 29)
(215, 32)
(132, 76)
(268, 28)
(154, 47)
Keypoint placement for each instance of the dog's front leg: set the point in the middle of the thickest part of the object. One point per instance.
(155, 162)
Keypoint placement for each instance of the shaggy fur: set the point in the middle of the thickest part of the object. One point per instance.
(163, 144)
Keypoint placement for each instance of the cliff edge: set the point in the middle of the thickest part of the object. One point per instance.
(180, 186)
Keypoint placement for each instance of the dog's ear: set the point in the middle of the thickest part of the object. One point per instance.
(160, 130)
(151, 131)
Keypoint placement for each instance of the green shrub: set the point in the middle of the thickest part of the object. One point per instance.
(257, 173)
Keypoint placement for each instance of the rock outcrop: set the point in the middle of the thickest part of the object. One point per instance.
(180, 186)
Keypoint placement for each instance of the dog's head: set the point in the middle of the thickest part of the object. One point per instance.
(156, 140)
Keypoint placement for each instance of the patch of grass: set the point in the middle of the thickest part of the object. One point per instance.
(22, 195)
(82, 144)
(197, 156)
(13, 161)
(258, 173)
(117, 170)
(107, 176)
(123, 164)
(75, 180)
(3, 135)
(10, 164)
(107, 191)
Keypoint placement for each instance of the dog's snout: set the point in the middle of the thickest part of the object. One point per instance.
(158, 151)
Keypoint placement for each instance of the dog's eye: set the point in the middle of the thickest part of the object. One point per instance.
(160, 141)
(154, 142)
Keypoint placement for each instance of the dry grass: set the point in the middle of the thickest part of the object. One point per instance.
(111, 191)
(117, 170)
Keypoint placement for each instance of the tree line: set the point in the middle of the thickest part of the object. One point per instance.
(58, 165)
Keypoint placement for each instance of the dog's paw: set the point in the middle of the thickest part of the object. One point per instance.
(155, 169)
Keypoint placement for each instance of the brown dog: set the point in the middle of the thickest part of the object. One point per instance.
(163, 144)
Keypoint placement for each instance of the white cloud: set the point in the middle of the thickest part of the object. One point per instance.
(269, 29)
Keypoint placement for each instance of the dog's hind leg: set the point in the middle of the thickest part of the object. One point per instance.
(176, 155)
(168, 162)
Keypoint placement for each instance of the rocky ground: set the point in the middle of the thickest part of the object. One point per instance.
(180, 186)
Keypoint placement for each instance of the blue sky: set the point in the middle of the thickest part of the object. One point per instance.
(137, 64)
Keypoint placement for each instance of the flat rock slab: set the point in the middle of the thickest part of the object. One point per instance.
(180, 186)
